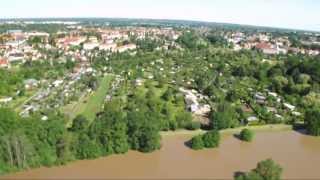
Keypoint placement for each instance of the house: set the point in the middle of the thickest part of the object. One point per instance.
(14, 44)
(295, 113)
(39, 34)
(108, 47)
(126, 47)
(4, 63)
(271, 109)
(273, 94)
(70, 41)
(279, 116)
(90, 45)
(289, 106)
(15, 56)
(266, 48)
(264, 37)
(191, 100)
(260, 99)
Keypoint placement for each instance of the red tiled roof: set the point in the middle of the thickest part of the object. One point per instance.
(263, 45)
(3, 61)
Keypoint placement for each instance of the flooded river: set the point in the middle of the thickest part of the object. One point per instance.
(298, 154)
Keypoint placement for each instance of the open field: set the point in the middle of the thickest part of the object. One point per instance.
(90, 104)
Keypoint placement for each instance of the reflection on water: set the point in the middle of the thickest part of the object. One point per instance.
(298, 154)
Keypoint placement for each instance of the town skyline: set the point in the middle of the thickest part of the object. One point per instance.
(296, 14)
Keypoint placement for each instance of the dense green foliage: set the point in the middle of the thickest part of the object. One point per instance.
(265, 170)
(246, 135)
(210, 139)
(194, 126)
(197, 143)
(12, 80)
(224, 117)
(313, 121)
(29, 142)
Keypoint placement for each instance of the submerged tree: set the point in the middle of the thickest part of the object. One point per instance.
(246, 135)
(265, 170)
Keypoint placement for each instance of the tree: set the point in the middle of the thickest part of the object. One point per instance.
(79, 123)
(211, 139)
(225, 117)
(149, 140)
(70, 64)
(312, 121)
(265, 170)
(183, 119)
(246, 135)
(217, 40)
(110, 131)
(63, 150)
(268, 169)
(143, 130)
(168, 95)
(279, 82)
(252, 175)
(85, 148)
(194, 126)
(197, 143)
(34, 40)
(17, 150)
(189, 40)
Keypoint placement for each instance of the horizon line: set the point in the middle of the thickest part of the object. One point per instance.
(188, 20)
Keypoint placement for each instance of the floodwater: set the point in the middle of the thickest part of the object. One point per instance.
(298, 154)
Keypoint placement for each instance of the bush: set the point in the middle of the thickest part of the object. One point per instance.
(246, 135)
(197, 143)
(312, 121)
(194, 126)
(211, 139)
(266, 169)
(183, 119)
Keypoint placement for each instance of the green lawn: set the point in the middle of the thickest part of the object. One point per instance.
(90, 104)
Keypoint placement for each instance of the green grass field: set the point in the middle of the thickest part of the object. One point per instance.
(90, 104)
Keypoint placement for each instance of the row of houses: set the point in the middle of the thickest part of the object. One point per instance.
(266, 43)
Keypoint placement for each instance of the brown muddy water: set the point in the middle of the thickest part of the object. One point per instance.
(298, 154)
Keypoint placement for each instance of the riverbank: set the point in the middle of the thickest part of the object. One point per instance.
(269, 127)
(177, 161)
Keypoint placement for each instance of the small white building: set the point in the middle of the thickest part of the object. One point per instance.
(289, 106)
(57, 83)
(90, 45)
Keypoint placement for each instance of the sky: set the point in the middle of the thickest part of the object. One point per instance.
(295, 14)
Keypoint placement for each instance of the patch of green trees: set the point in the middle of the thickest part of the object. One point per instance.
(246, 135)
(312, 121)
(265, 170)
(210, 139)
